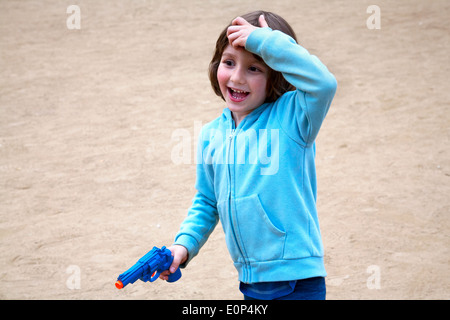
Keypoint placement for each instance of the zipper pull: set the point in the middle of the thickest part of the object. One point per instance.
(230, 137)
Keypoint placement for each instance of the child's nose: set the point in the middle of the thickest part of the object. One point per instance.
(238, 76)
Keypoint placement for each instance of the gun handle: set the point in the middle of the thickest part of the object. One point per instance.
(174, 276)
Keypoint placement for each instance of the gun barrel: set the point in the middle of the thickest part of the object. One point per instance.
(119, 284)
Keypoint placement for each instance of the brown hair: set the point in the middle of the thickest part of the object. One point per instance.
(277, 85)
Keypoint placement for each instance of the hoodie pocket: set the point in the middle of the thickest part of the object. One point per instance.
(259, 238)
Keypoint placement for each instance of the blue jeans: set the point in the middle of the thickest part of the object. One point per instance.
(305, 289)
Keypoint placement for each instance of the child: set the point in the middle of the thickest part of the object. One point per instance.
(277, 96)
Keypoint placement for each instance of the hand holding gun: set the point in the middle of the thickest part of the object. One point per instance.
(149, 267)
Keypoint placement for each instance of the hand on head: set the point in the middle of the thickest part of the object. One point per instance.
(240, 30)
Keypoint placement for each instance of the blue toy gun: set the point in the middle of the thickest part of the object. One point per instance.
(149, 267)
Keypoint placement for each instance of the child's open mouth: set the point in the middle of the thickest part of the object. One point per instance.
(237, 95)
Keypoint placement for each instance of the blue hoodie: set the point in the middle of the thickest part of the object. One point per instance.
(259, 179)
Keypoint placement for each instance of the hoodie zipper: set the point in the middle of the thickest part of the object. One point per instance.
(231, 137)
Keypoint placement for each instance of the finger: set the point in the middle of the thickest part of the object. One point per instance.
(236, 41)
(164, 275)
(262, 21)
(233, 36)
(175, 263)
(239, 21)
(232, 29)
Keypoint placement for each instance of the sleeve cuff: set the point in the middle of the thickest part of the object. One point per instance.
(256, 39)
(190, 244)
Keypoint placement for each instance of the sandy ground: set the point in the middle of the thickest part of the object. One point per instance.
(88, 182)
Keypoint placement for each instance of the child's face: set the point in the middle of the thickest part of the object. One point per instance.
(243, 80)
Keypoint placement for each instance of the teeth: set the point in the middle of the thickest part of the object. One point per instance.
(238, 91)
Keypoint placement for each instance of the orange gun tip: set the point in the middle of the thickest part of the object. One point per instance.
(119, 284)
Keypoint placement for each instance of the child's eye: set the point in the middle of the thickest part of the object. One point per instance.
(229, 63)
(254, 69)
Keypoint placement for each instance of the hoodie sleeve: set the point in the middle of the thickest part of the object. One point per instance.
(202, 216)
(302, 112)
